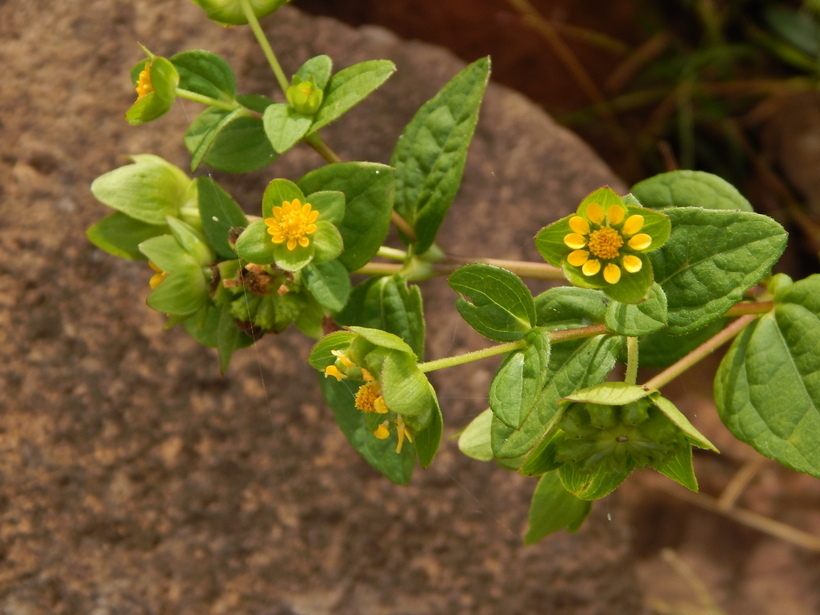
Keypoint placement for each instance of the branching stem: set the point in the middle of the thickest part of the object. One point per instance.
(207, 100)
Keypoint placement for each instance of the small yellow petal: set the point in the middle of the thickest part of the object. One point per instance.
(575, 241)
(343, 358)
(379, 406)
(382, 432)
(332, 370)
(595, 213)
(591, 267)
(579, 225)
(632, 263)
(615, 214)
(578, 258)
(633, 224)
(641, 241)
(304, 242)
(291, 243)
(612, 273)
(278, 212)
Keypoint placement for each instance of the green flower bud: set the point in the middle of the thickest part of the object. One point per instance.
(304, 96)
(232, 13)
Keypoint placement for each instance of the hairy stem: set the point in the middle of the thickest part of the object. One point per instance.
(206, 100)
(468, 357)
(253, 22)
(631, 360)
(525, 269)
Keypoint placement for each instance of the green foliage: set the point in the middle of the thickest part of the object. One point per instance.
(554, 508)
(689, 189)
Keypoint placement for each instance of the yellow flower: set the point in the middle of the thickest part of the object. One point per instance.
(332, 370)
(144, 85)
(383, 432)
(606, 240)
(292, 222)
(369, 398)
(158, 277)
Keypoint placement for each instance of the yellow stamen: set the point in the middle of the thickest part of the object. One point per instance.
(604, 242)
(591, 267)
(367, 376)
(615, 214)
(595, 213)
(612, 273)
(379, 406)
(343, 358)
(403, 433)
(633, 224)
(292, 223)
(575, 241)
(382, 432)
(366, 397)
(579, 225)
(332, 370)
(144, 85)
(632, 263)
(156, 278)
(641, 241)
(578, 258)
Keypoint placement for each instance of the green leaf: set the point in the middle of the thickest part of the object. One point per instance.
(292, 260)
(183, 291)
(148, 190)
(474, 441)
(203, 325)
(326, 242)
(566, 307)
(329, 203)
(591, 485)
(284, 126)
(710, 260)
(219, 213)
(430, 155)
(203, 131)
(240, 147)
(679, 468)
(662, 349)
(609, 394)
(383, 339)
(205, 73)
(166, 253)
(405, 388)
(164, 80)
(329, 283)
(584, 366)
(322, 353)
(255, 102)
(428, 439)
(255, 245)
(277, 192)
(682, 423)
(520, 379)
(316, 69)
(120, 235)
(767, 388)
(498, 304)
(640, 318)
(542, 458)
(553, 509)
(192, 241)
(689, 189)
(381, 454)
(349, 87)
(389, 304)
(632, 287)
(368, 188)
(229, 338)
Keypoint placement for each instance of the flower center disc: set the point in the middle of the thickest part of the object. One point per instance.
(604, 243)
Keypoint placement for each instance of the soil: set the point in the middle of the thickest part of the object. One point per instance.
(137, 480)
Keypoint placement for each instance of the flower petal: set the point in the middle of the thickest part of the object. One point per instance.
(641, 241)
(612, 273)
(382, 432)
(595, 213)
(632, 263)
(579, 225)
(615, 214)
(633, 224)
(575, 241)
(591, 267)
(577, 258)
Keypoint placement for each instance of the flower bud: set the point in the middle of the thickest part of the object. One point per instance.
(304, 96)
(231, 13)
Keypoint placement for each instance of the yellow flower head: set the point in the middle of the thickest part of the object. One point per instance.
(292, 223)
(369, 398)
(144, 85)
(606, 240)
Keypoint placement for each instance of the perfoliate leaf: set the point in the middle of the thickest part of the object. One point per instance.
(689, 189)
(767, 388)
(349, 87)
(329, 203)
(710, 260)
(639, 318)
(326, 242)
(278, 192)
(553, 508)
(430, 155)
(494, 301)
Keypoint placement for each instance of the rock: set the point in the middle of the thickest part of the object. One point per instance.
(138, 480)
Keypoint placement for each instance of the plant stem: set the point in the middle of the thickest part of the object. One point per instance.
(207, 100)
(253, 22)
(699, 353)
(392, 253)
(468, 357)
(316, 141)
(526, 269)
(378, 269)
(631, 360)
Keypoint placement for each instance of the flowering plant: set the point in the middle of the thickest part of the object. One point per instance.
(661, 277)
